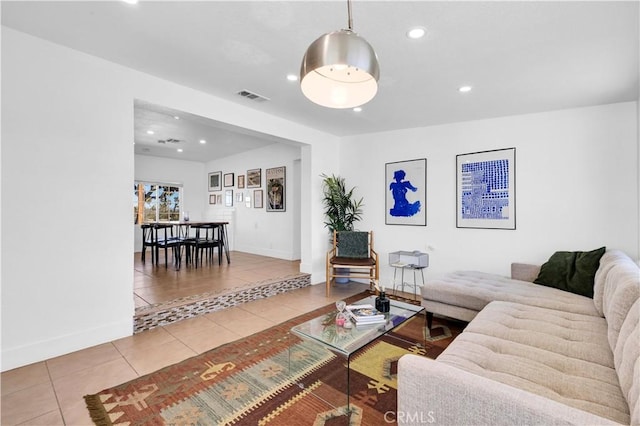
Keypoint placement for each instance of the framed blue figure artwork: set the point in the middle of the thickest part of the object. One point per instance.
(406, 192)
(486, 189)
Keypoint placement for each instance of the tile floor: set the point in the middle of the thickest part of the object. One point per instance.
(157, 284)
(51, 392)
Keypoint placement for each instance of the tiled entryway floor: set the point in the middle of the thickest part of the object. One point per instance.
(51, 392)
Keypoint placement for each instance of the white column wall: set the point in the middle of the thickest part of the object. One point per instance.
(67, 159)
(576, 187)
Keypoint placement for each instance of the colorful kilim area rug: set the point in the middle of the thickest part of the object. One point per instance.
(274, 378)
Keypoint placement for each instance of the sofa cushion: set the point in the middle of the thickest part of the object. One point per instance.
(621, 290)
(626, 357)
(524, 271)
(474, 290)
(559, 355)
(572, 271)
(608, 260)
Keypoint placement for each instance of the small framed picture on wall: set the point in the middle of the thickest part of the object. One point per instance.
(228, 180)
(215, 181)
(240, 181)
(276, 184)
(254, 178)
(257, 198)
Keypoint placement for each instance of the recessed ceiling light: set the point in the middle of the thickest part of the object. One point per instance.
(416, 33)
(464, 89)
(357, 109)
(202, 141)
(150, 132)
(292, 77)
(179, 149)
(176, 117)
(130, 1)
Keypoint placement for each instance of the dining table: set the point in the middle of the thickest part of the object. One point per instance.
(180, 237)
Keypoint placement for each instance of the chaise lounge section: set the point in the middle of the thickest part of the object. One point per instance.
(531, 354)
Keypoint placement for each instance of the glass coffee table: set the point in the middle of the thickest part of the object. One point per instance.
(347, 341)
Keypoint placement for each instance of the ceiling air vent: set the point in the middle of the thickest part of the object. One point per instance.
(170, 140)
(253, 96)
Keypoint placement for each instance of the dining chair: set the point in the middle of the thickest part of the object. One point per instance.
(207, 239)
(162, 238)
(187, 241)
(147, 242)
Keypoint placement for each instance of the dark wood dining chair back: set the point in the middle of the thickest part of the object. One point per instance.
(207, 239)
(160, 236)
(147, 242)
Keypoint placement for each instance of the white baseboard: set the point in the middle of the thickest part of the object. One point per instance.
(261, 251)
(50, 348)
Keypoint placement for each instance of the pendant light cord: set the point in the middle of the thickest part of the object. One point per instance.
(350, 23)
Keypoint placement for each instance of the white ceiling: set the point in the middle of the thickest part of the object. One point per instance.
(520, 57)
(186, 133)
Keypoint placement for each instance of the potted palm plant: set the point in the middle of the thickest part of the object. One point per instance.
(341, 208)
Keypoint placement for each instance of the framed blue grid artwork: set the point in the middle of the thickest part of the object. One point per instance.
(406, 192)
(486, 189)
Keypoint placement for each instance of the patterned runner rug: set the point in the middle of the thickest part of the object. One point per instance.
(273, 378)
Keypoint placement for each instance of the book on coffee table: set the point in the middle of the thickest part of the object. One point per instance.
(365, 314)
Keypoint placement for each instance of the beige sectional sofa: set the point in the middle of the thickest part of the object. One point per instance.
(531, 354)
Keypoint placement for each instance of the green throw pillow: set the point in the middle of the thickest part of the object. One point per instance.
(353, 244)
(572, 271)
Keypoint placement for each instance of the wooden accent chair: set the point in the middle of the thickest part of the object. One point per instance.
(352, 256)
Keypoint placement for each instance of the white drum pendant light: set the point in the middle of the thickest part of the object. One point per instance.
(340, 69)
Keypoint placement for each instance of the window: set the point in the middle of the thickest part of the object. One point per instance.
(156, 202)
